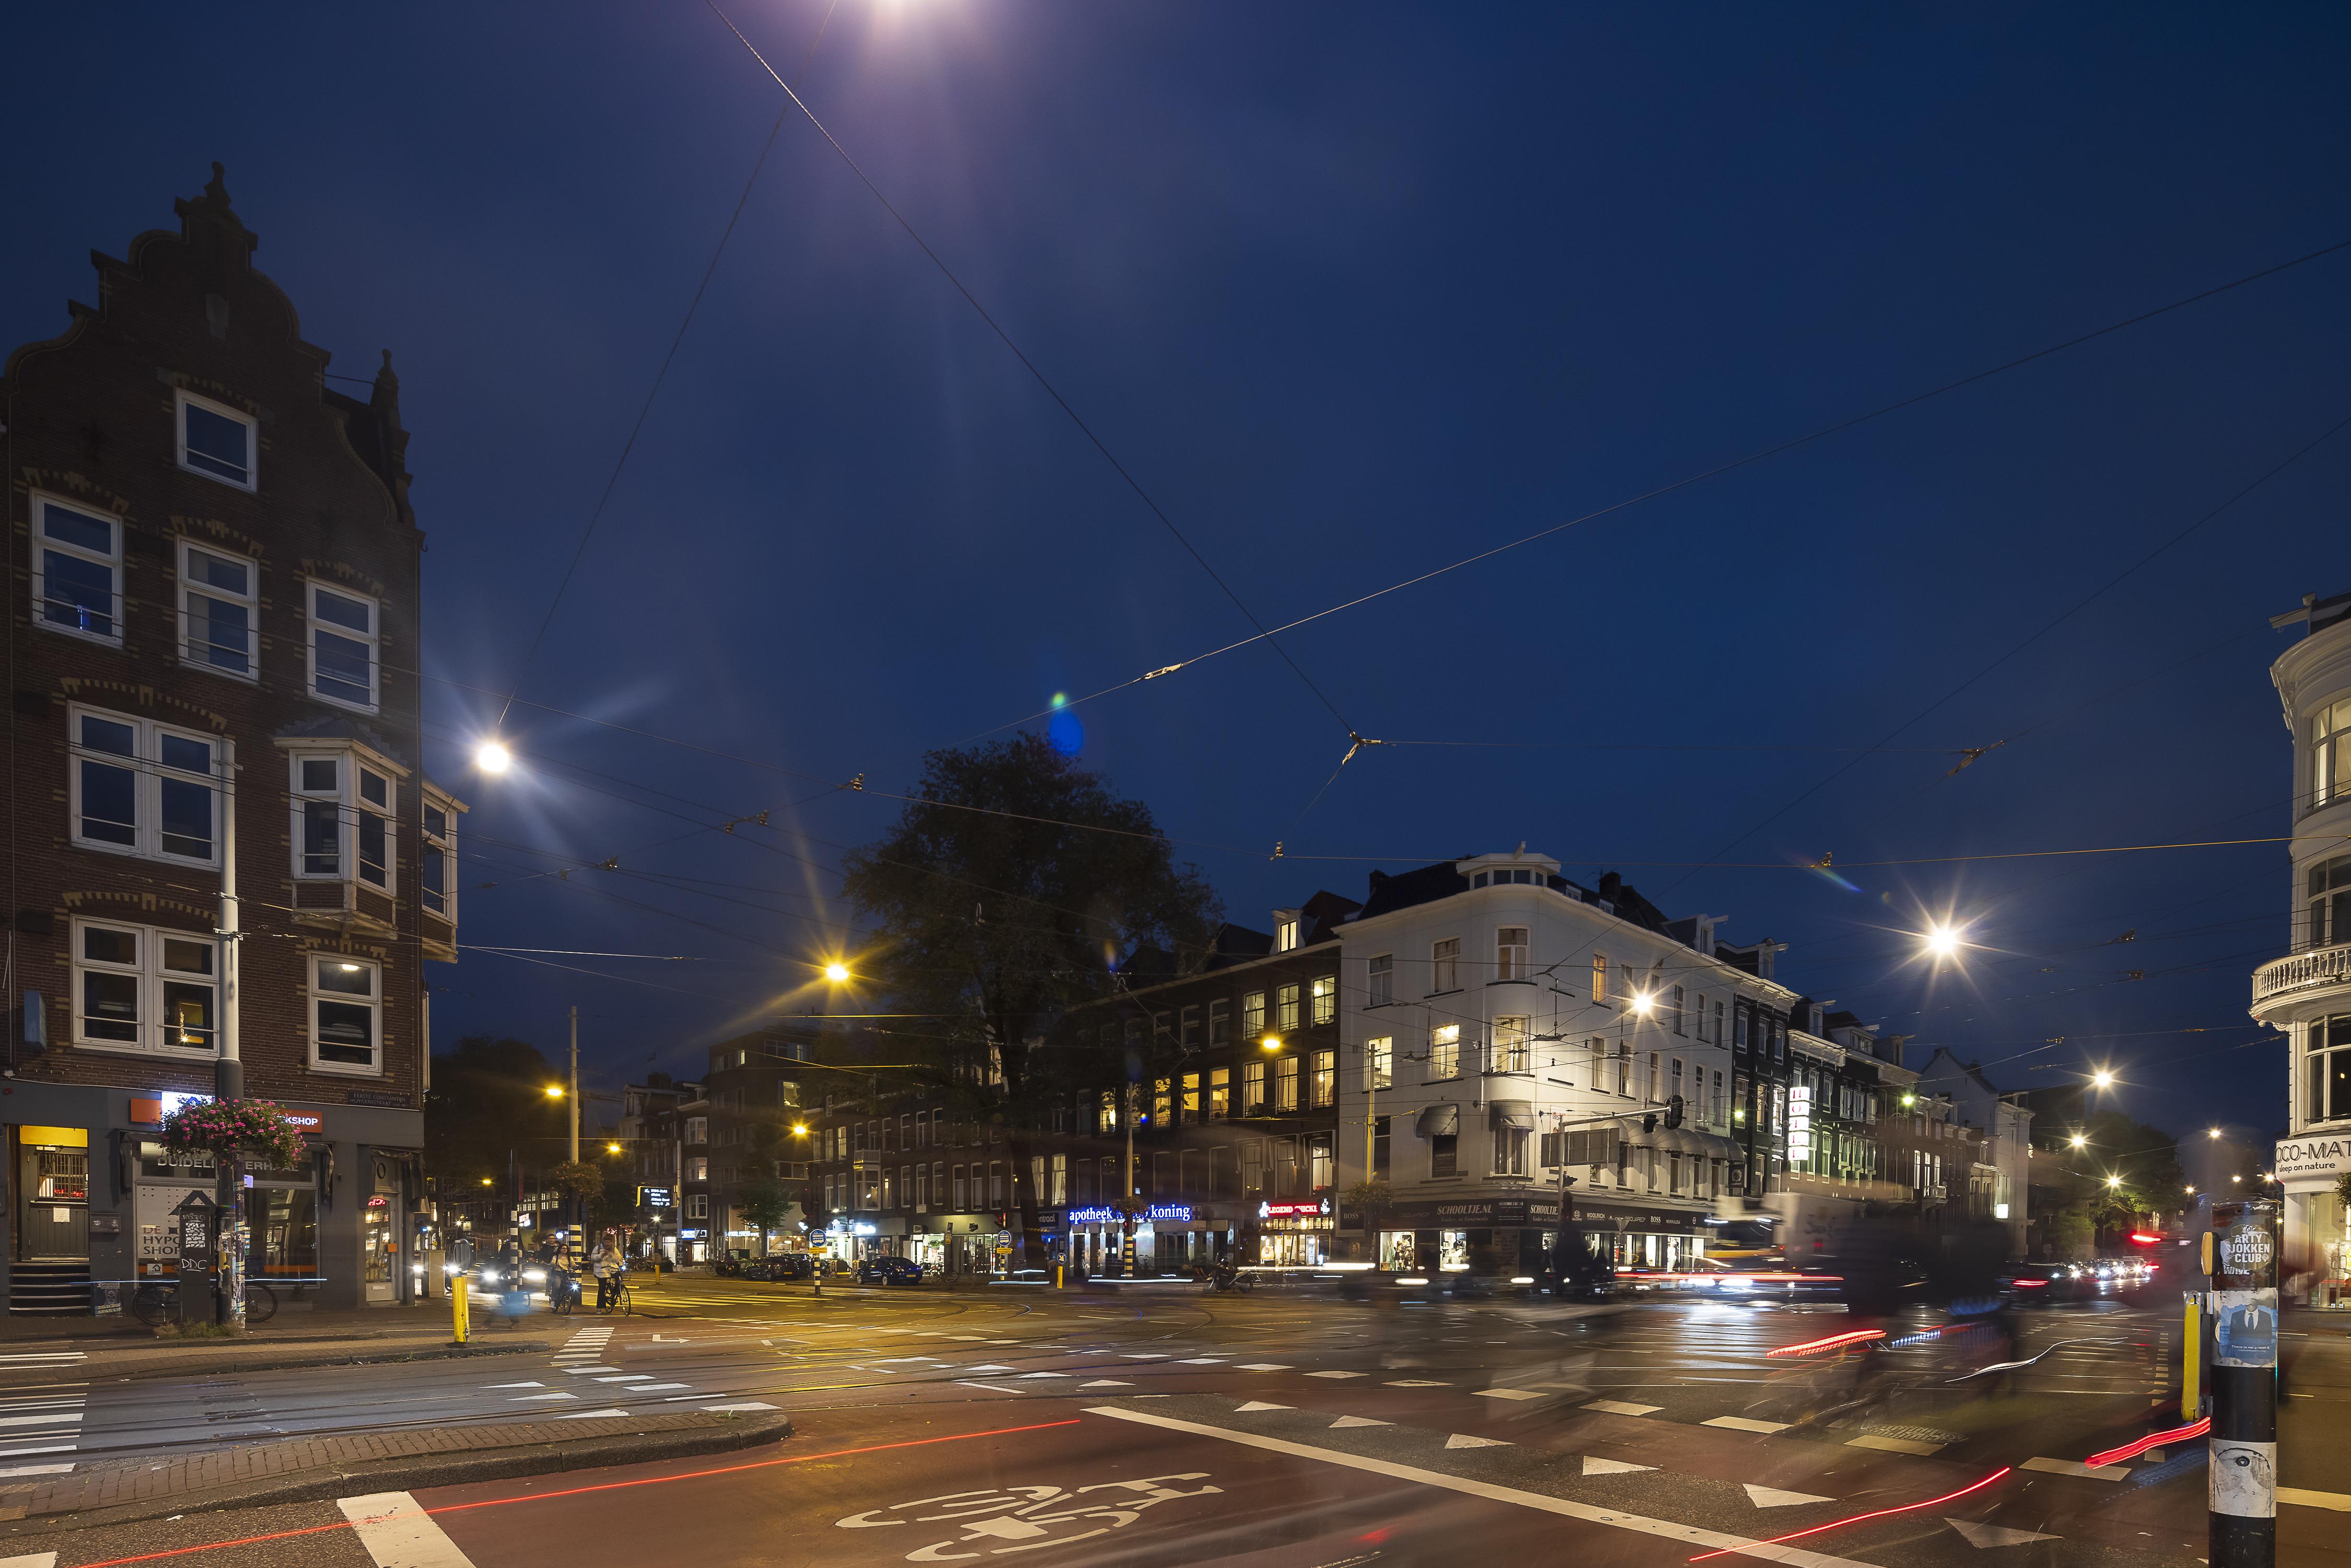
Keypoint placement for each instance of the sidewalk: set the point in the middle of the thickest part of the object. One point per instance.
(301, 1470)
(40, 1350)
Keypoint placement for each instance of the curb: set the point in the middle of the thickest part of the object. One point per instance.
(423, 1471)
(199, 1363)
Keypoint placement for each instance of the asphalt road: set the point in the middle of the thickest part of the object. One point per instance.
(1167, 1425)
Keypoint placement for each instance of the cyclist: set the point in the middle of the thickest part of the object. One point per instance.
(606, 1266)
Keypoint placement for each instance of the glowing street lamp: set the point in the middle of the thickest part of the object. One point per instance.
(2103, 1078)
(1644, 1003)
(554, 1092)
(612, 1148)
(1941, 941)
(2114, 1181)
(2213, 1133)
(2079, 1140)
(492, 756)
(1270, 1042)
(836, 973)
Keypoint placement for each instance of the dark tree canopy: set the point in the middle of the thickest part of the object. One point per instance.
(490, 1096)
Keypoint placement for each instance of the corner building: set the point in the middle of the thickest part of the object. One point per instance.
(212, 645)
(2306, 994)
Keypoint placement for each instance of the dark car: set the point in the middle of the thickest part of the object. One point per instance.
(889, 1271)
(787, 1266)
(2048, 1284)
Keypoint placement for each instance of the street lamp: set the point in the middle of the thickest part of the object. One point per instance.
(1270, 1042)
(1644, 1003)
(2114, 1181)
(799, 1129)
(554, 1092)
(2101, 1078)
(1941, 941)
(836, 973)
(2079, 1141)
(612, 1148)
(492, 756)
(2213, 1133)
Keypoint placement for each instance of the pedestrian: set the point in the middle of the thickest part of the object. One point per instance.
(607, 1266)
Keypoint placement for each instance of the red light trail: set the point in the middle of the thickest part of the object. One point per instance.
(1856, 1519)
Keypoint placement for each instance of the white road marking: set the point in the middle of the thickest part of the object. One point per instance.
(514, 1384)
(1044, 1374)
(629, 1377)
(1744, 1423)
(1463, 1440)
(65, 1468)
(1265, 1366)
(1202, 1361)
(576, 1371)
(1599, 1467)
(1772, 1497)
(1683, 1533)
(40, 1420)
(398, 1534)
(991, 1387)
(1358, 1421)
(1338, 1375)
(1506, 1393)
(591, 1414)
(31, 1559)
(49, 1448)
(535, 1398)
(1418, 1382)
(2071, 1468)
(1620, 1408)
(660, 1387)
(1980, 1535)
(745, 1405)
(1106, 1382)
(1912, 1445)
(1252, 1404)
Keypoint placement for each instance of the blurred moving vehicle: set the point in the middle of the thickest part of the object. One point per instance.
(887, 1270)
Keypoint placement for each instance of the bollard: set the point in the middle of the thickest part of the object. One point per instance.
(458, 1306)
(2244, 1307)
(2192, 1361)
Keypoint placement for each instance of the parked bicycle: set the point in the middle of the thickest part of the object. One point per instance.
(151, 1303)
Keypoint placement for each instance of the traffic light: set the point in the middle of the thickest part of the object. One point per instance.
(1650, 1123)
(1674, 1111)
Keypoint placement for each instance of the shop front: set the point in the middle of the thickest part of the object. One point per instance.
(959, 1243)
(1507, 1233)
(1295, 1234)
(2316, 1270)
(1644, 1236)
(1170, 1237)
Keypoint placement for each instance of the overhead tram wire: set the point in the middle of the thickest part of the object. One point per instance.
(652, 394)
(2265, 477)
(1051, 392)
(1716, 471)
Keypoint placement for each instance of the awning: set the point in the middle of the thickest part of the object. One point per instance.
(1438, 1121)
(1517, 1115)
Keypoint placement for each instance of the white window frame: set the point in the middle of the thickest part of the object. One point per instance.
(1285, 935)
(320, 996)
(183, 400)
(1379, 1053)
(250, 600)
(446, 841)
(1444, 1053)
(1379, 980)
(350, 804)
(146, 763)
(1445, 965)
(154, 1035)
(313, 627)
(1323, 1001)
(1511, 961)
(42, 543)
(1512, 1050)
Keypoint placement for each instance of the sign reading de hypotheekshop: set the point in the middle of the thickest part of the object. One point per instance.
(2313, 1159)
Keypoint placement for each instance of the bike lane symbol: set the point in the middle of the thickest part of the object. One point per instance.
(1026, 1518)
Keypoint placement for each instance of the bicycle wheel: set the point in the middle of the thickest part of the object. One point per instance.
(563, 1298)
(151, 1304)
(260, 1302)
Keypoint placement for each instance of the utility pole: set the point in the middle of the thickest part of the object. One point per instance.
(2241, 1254)
(575, 1085)
(1126, 1198)
(228, 1067)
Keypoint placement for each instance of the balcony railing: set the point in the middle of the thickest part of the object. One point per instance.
(2301, 972)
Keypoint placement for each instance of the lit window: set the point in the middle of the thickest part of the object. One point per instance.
(2330, 753)
(1445, 1052)
(1510, 1033)
(1285, 1007)
(1252, 1015)
(343, 647)
(139, 988)
(1324, 994)
(1599, 977)
(1285, 935)
(1511, 953)
(140, 789)
(346, 1013)
(217, 593)
(1220, 1093)
(216, 441)
(77, 571)
(1325, 1083)
(1252, 1088)
(1286, 1084)
(1381, 1050)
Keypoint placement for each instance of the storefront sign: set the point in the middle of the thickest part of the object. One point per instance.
(2314, 1161)
(149, 1111)
(1294, 1210)
(1477, 1213)
(1157, 1214)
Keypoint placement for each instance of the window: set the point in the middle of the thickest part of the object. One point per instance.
(139, 988)
(1716, 1036)
(1510, 1151)
(1511, 953)
(697, 1205)
(1220, 1022)
(1445, 1052)
(345, 1013)
(1106, 1114)
(1738, 1027)
(1511, 1034)
(1380, 1147)
(1700, 1030)
(1325, 1083)
(1380, 1052)
(1188, 1027)
(1445, 965)
(1189, 1108)
(1715, 1114)
(1285, 934)
(1253, 1089)
(1379, 980)
(1676, 1085)
(996, 1184)
(1163, 1030)
(77, 571)
(1285, 1008)
(1625, 1070)
(1323, 995)
(2330, 753)
(1220, 1093)
(343, 821)
(1599, 977)
(217, 610)
(2326, 1069)
(1656, 1080)
(343, 647)
(1444, 1152)
(140, 789)
(1285, 1099)
(1676, 1011)
(2330, 902)
(697, 1129)
(215, 441)
(1320, 1164)
(1163, 1102)
(697, 1168)
(1598, 1050)
(1252, 1015)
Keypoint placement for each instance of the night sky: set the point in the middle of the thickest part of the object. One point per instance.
(1353, 292)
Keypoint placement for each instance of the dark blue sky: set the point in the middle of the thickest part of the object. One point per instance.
(1353, 291)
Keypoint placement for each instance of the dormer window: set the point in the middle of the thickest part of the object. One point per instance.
(1285, 933)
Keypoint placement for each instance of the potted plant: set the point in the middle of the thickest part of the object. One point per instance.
(239, 1135)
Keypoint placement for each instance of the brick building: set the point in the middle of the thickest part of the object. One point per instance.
(211, 646)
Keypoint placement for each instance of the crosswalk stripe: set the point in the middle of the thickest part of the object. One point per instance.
(398, 1534)
(31, 1559)
(14, 1471)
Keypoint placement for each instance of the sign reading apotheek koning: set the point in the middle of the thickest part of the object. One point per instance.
(2303, 1158)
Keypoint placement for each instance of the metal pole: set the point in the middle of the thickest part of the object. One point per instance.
(575, 1086)
(2244, 1501)
(1126, 1200)
(228, 1068)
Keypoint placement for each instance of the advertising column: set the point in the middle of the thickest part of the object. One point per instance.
(2243, 1529)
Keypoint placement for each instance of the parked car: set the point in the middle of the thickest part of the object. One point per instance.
(889, 1271)
(787, 1266)
(729, 1263)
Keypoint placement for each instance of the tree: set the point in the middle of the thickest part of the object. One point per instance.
(1012, 887)
(763, 1201)
(2124, 1170)
(490, 1096)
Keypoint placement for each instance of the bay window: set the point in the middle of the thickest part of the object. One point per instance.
(1510, 1033)
(2330, 904)
(345, 811)
(345, 1014)
(138, 988)
(140, 788)
(2330, 753)
(436, 887)
(1511, 953)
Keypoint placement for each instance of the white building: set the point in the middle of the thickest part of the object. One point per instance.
(1504, 1027)
(2306, 994)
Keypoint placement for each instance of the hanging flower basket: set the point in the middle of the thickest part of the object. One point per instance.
(252, 1133)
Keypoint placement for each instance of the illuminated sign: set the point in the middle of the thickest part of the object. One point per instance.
(150, 1110)
(656, 1197)
(1157, 1214)
(1294, 1210)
